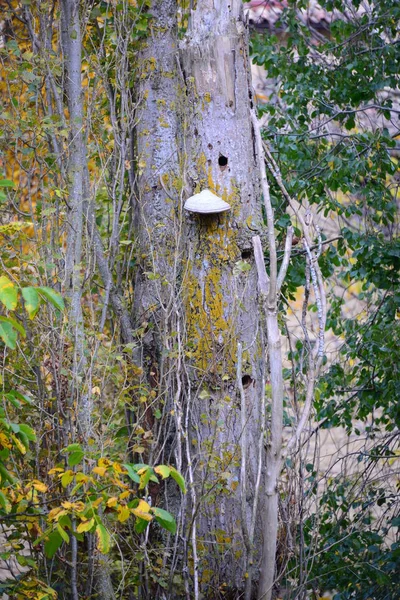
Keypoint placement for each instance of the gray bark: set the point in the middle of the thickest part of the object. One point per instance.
(72, 49)
(220, 300)
(196, 298)
(196, 289)
(157, 217)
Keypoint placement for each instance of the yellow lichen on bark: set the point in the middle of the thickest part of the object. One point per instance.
(210, 308)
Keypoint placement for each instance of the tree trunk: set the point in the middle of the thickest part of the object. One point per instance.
(220, 298)
(72, 49)
(196, 288)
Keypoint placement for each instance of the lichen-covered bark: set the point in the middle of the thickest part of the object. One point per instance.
(221, 287)
(157, 214)
(196, 287)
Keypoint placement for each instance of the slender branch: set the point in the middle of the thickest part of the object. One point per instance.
(73, 566)
(243, 447)
(286, 259)
(314, 246)
(273, 265)
(263, 279)
(321, 317)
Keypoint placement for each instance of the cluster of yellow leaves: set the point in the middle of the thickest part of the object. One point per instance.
(101, 494)
(35, 589)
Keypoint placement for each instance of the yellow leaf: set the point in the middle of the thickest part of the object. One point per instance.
(55, 470)
(111, 502)
(85, 526)
(100, 471)
(74, 506)
(53, 513)
(123, 513)
(144, 506)
(8, 293)
(103, 538)
(163, 470)
(4, 441)
(124, 495)
(142, 511)
(97, 502)
(104, 462)
(39, 486)
(66, 478)
(19, 444)
(56, 513)
(142, 515)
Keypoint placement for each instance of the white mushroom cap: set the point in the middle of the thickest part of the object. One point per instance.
(206, 203)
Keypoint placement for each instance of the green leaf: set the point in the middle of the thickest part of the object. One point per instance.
(75, 458)
(179, 479)
(52, 544)
(5, 475)
(8, 293)
(14, 324)
(72, 448)
(76, 454)
(53, 297)
(165, 519)
(32, 300)
(8, 335)
(103, 539)
(140, 525)
(4, 502)
(15, 394)
(6, 183)
(63, 533)
(25, 561)
(11, 398)
(28, 431)
(132, 473)
(145, 478)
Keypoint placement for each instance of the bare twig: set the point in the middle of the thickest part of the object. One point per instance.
(286, 259)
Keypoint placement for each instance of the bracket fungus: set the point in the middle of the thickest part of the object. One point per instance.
(206, 203)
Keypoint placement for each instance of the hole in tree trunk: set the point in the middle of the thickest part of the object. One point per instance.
(246, 253)
(247, 381)
(251, 99)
